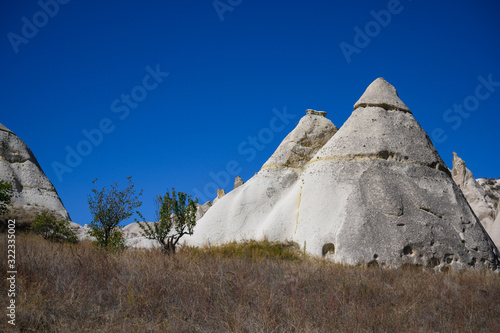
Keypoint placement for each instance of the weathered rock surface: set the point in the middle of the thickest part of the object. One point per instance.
(133, 237)
(491, 188)
(495, 231)
(298, 147)
(82, 232)
(202, 209)
(33, 191)
(482, 195)
(376, 193)
(220, 193)
(381, 94)
(238, 182)
(266, 205)
(379, 193)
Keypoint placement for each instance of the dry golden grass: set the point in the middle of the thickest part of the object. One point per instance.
(239, 288)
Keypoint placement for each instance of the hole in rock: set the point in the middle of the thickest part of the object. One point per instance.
(328, 249)
(433, 262)
(407, 250)
(375, 256)
(473, 262)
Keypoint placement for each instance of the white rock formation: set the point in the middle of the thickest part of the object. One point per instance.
(133, 237)
(202, 209)
(377, 193)
(483, 205)
(33, 191)
(495, 231)
(266, 205)
(491, 188)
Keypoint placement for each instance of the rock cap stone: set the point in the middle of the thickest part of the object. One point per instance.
(382, 94)
(316, 113)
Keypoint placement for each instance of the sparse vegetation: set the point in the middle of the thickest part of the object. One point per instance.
(175, 217)
(254, 250)
(109, 207)
(77, 288)
(50, 228)
(5, 196)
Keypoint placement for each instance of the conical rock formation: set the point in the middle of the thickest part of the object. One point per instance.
(266, 205)
(378, 193)
(32, 190)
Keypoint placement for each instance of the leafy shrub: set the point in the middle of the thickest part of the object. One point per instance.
(110, 206)
(176, 217)
(5, 196)
(114, 242)
(50, 228)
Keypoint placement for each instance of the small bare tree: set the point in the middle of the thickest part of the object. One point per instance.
(175, 217)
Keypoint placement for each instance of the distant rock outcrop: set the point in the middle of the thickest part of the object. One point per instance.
(202, 209)
(220, 193)
(377, 192)
(238, 182)
(482, 194)
(495, 231)
(491, 188)
(33, 192)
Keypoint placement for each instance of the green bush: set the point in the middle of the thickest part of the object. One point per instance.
(114, 242)
(5, 196)
(109, 207)
(175, 217)
(50, 228)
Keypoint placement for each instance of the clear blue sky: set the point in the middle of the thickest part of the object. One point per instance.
(228, 68)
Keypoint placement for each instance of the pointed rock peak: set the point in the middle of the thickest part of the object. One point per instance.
(382, 94)
(5, 129)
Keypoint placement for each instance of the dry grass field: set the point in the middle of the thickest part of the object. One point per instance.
(250, 287)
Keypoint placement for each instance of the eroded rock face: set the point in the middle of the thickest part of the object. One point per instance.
(379, 193)
(202, 209)
(220, 193)
(376, 193)
(312, 132)
(33, 191)
(495, 231)
(267, 204)
(483, 199)
(491, 188)
(238, 182)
